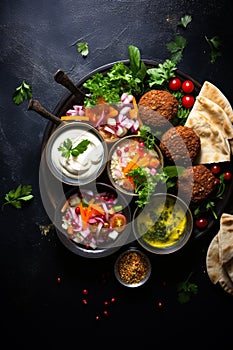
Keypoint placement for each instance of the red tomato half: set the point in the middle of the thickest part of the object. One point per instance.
(118, 222)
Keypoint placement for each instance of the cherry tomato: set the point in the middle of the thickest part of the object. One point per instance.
(187, 101)
(118, 222)
(227, 176)
(187, 86)
(174, 84)
(215, 169)
(216, 181)
(201, 223)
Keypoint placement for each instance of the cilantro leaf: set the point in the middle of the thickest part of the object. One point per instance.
(22, 93)
(215, 44)
(19, 195)
(176, 47)
(184, 21)
(83, 48)
(185, 290)
(67, 149)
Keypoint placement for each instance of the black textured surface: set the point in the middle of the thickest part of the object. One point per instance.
(37, 38)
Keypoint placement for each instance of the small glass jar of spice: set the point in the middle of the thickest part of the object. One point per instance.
(132, 268)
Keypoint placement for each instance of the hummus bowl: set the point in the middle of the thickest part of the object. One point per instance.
(76, 153)
(93, 220)
(164, 225)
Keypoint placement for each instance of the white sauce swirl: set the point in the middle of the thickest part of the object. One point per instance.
(86, 164)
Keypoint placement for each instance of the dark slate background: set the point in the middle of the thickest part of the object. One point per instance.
(37, 39)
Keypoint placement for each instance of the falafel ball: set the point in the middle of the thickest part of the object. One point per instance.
(157, 108)
(197, 180)
(180, 145)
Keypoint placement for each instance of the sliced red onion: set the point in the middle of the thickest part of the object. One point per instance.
(110, 130)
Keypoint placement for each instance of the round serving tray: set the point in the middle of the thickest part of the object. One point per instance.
(69, 99)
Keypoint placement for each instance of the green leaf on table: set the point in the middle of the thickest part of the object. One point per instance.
(186, 290)
(184, 21)
(21, 194)
(83, 48)
(176, 47)
(22, 93)
(215, 44)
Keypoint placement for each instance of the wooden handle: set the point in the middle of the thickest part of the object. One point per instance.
(63, 79)
(35, 105)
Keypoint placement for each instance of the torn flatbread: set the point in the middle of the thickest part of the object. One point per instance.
(226, 238)
(215, 147)
(210, 91)
(212, 261)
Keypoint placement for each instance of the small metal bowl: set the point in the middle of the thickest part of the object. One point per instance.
(132, 268)
(175, 233)
(124, 184)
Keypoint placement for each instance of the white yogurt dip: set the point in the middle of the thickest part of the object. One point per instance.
(86, 164)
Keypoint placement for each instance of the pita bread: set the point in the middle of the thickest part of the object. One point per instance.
(212, 261)
(210, 91)
(225, 237)
(214, 147)
(229, 268)
(225, 282)
(215, 114)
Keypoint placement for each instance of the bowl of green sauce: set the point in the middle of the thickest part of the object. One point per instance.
(164, 225)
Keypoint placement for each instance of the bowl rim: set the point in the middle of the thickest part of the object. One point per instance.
(144, 255)
(111, 151)
(176, 246)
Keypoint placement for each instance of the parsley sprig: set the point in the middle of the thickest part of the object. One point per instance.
(83, 48)
(186, 289)
(67, 148)
(16, 197)
(215, 44)
(145, 183)
(161, 75)
(22, 93)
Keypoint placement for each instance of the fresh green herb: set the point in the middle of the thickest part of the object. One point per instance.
(182, 113)
(215, 44)
(19, 195)
(176, 47)
(186, 289)
(148, 136)
(22, 93)
(184, 21)
(145, 183)
(208, 206)
(137, 66)
(161, 75)
(83, 48)
(67, 149)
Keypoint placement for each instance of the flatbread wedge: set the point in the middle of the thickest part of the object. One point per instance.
(214, 147)
(225, 237)
(210, 91)
(212, 261)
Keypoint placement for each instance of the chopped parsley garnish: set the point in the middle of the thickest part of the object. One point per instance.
(22, 93)
(18, 196)
(67, 149)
